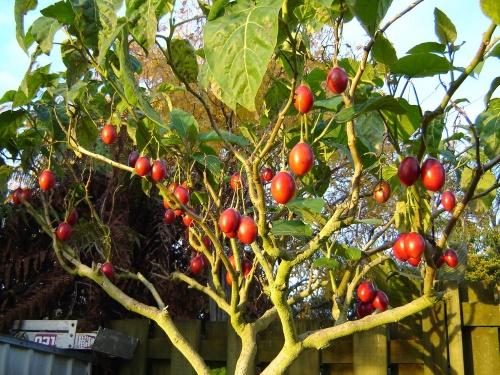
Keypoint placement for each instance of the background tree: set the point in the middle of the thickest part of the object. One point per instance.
(266, 93)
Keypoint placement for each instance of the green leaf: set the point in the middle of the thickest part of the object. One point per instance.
(61, 11)
(315, 79)
(31, 83)
(383, 51)
(332, 104)
(184, 60)
(428, 47)
(43, 31)
(402, 126)
(276, 96)
(445, 29)
(109, 29)
(5, 173)
(184, 124)
(86, 133)
(212, 136)
(421, 65)
(217, 9)
(75, 63)
(8, 96)
(294, 228)
(488, 126)
(10, 121)
(21, 8)
(370, 130)
(492, 9)
(495, 52)
(329, 263)
(370, 221)
(433, 136)
(369, 12)
(388, 103)
(86, 22)
(210, 162)
(486, 182)
(241, 44)
(308, 209)
(347, 252)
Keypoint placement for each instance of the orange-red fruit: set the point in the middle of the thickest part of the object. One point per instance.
(382, 192)
(108, 270)
(142, 166)
(414, 245)
(108, 134)
(366, 291)
(182, 195)
(72, 217)
(408, 171)
(303, 99)
(380, 301)
(172, 187)
(178, 212)
(337, 80)
(16, 196)
(450, 258)
(235, 181)
(169, 216)
(283, 187)
(229, 221)
(132, 158)
(266, 174)
(398, 249)
(158, 171)
(197, 264)
(231, 234)
(364, 309)
(433, 174)
(414, 261)
(47, 180)
(301, 158)
(247, 230)
(63, 231)
(187, 220)
(448, 201)
(25, 195)
(246, 267)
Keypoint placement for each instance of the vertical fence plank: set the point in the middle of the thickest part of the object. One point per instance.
(137, 328)
(434, 340)
(370, 352)
(191, 330)
(308, 361)
(454, 327)
(485, 349)
(233, 349)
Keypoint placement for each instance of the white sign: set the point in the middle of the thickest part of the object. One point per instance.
(58, 333)
(85, 341)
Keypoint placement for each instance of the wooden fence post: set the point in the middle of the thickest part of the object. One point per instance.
(454, 328)
(137, 328)
(308, 361)
(191, 330)
(370, 352)
(434, 339)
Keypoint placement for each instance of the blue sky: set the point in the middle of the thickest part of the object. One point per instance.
(414, 28)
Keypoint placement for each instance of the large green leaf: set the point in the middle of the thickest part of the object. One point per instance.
(184, 124)
(324, 262)
(85, 23)
(21, 7)
(308, 209)
(428, 47)
(238, 47)
(210, 162)
(486, 182)
(76, 64)
(492, 9)
(9, 123)
(347, 252)
(383, 51)
(290, 228)
(388, 103)
(5, 172)
(31, 83)
(212, 136)
(421, 65)
(369, 12)
(402, 126)
(109, 25)
(61, 11)
(445, 29)
(183, 59)
(433, 136)
(370, 130)
(43, 31)
(488, 125)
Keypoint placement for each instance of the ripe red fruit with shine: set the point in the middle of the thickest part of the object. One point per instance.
(440, 261)
(366, 291)
(408, 171)
(72, 217)
(108, 134)
(232, 234)
(433, 174)
(380, 301)
(108, 270)
(158, 171)
(414, 245)
(182, 195)
(398, 249)
(26, 195)
(178, 212)
(283, 187)
(246, 267)
(169, 216)
(16, 196)
(235, 181)
(187, 220)
(229, 221)
(142, 166)
(266, 174)
(448, 201)
(47, 180)
(197, 264)
(414, 261)
(304, 99)
(301, 158)
(172, 187)
(450, 258)
(63, 231)
(247, 230)
(382, 192)
(132, 158)
(337, 80)
(364, 309)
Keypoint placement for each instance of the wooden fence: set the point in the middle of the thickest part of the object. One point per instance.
(458, 336)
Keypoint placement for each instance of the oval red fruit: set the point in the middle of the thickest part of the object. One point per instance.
(304, 99)
(182, 195)
(169, 216)
(448, 201)
(414, 261)
(26, 195)
(108, 270)
(108, 134)
(197, 264)
(47, 180)
(366, 291)
(301, 158)
(72, 217)
(63, 231)
(283, 187)
(247, 230)
(414, 245)
(158, 170)
(246, 267)
(364, 309)
(337, 80)
(132, 158)
(433, 174)
(142, 166)
(16, 196)
(235, 181)
(408, 171)
(398, 249)
(450, 258)
(229, 221)
(380, 301)
(266, 174)
(187, 221)
(382, 192)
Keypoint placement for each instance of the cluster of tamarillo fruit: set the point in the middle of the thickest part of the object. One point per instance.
(370, 299)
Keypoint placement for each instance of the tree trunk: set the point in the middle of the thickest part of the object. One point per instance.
(246, 361)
